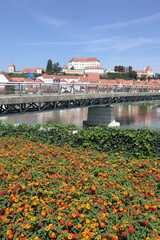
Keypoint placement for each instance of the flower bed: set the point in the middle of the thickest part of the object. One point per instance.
(49, 192)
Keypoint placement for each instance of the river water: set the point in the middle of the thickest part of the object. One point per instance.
(129, 115)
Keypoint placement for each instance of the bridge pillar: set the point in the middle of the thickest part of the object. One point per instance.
(101, 115)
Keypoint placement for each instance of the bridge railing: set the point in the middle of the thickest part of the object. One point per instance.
(23, 88)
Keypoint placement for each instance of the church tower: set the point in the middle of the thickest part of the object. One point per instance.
(149, 71)
(12, 67)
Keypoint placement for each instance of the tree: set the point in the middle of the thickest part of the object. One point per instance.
(72, 68)
(49, 66)
(143, 77)
(56, 68)
(157, 76)
(132, 75)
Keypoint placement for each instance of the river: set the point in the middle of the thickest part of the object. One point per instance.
(135, 115)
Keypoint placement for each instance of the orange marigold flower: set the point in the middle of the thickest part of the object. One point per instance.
(53, 235)
(102, 224)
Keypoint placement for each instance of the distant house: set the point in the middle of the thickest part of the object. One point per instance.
(38, 70)
(4, 77)
(82, 63)
(12, 69)
(148, 72)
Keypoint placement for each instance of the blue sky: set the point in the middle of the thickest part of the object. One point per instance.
(117, 32)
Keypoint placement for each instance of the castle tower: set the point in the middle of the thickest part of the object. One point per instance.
(12, 67)
(149, 71)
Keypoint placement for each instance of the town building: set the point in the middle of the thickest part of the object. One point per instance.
(12, 67)
(38, 70)
(82, 63)
(93, 69)
(148, 72)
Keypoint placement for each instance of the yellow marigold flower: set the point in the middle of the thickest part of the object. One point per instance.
(120, 209)
(79, 225)
(115, 228)
(88, 221)
(88, 206)
(33, 219)
(70, 236)
(98, 237)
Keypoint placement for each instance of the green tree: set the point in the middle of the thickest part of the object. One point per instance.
(132, 75)
(72, 68)
(56, 68)
(143, 77)
(49, 67)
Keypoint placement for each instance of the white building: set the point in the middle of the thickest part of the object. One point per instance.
(82, 63)
(148, 72)
(93, 69)
(12, 67)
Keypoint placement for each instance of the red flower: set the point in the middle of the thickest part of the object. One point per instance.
(131, 230)
(124, 234)
(2, 193)
(146, 222)
(69, 224)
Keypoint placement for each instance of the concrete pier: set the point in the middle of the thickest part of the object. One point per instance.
(101, 115)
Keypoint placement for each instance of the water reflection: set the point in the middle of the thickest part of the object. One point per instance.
(138, 115)
(72, 116)
(129, 116)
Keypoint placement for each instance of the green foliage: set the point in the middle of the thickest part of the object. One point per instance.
(56, 68)
(49, 66)
(127, 75)
(129, 142)
(18, 75)
(23, 75)
(53, 68)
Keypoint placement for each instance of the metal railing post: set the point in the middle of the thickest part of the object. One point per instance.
(97, 88)
(40, 88)
(73, 89)
(59, 89)
(86, 88)
(20, 92)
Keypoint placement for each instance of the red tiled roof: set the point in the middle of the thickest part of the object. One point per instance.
(48, 76)
(149, 69)
(18, 79)
(64, 66)
(26, 70)
(11, 64)
(94, 67)
(38, 80)
(6, 76)
(63, 80)
(140, 71)
(83, 59)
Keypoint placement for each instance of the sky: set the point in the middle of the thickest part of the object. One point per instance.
(116, 32)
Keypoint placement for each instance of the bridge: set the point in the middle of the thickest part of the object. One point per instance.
(28, 97)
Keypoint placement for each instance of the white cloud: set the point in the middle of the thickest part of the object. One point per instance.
(122, 43)
(54, 22)
(128, 23)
